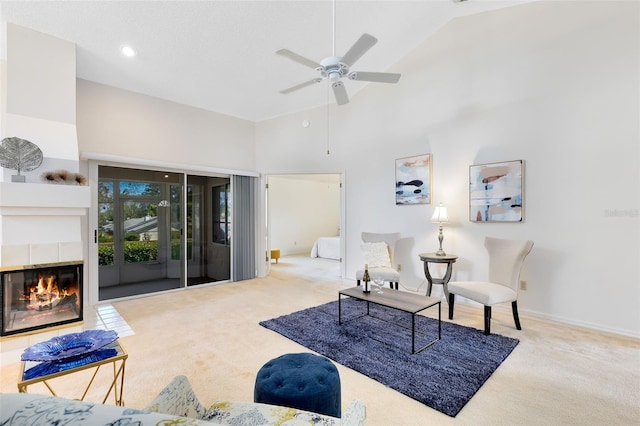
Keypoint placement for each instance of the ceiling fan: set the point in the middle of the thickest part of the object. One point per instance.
(333, 68)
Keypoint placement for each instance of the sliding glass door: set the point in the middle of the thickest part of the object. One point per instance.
(208, 230)
(158, 231)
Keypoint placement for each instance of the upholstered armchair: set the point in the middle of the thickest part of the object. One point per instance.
(378, 250)
(505, 263)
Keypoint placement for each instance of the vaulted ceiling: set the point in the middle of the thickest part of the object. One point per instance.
(220, 55)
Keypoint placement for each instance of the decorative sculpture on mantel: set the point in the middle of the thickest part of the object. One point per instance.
(64, 177)
(21, 155)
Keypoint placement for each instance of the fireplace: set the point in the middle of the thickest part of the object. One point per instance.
(41, 256)
(42, 223)
(39, 296)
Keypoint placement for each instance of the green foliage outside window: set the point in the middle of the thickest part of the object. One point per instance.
(132, 237)
(105, 254)
(134, 252)
(104, 237)
(175, 249)
(140, 251)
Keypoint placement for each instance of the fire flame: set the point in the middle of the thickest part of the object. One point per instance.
(45, 294)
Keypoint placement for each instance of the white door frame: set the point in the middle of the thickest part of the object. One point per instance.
(264, 225)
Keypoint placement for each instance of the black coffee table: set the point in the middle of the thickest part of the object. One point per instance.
(400, 300)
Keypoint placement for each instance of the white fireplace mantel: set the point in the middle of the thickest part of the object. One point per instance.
(41, 223)
(42, 196)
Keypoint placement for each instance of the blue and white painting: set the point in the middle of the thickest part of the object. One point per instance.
(413, 180)
(495, 192)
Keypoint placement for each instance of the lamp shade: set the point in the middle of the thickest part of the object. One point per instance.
(440, 214)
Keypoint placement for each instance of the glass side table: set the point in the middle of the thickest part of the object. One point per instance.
(428, 258)
(116, 386)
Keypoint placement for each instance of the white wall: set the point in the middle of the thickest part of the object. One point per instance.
(555, 84)
(301, 209)
(122, 123)
(39, 98)
(41, 71)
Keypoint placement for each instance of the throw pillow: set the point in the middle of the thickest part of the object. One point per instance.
(178, 399)
(376, 255)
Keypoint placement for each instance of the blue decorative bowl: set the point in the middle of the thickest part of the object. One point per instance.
(69, 345)
(51, 367)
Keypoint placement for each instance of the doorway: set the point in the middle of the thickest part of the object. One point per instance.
(302, 208)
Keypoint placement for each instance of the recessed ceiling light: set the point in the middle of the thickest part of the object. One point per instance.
(128, 51)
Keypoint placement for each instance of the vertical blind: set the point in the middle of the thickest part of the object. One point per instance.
(243, 235)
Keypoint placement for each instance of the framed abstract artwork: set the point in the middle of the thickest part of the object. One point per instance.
(495, 192)
(413, 180)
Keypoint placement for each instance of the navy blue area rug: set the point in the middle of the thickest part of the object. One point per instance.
(445, 376)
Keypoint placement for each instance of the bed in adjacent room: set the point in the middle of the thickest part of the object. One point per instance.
(327, 248)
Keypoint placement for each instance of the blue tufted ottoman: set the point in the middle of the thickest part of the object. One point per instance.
(304, 381)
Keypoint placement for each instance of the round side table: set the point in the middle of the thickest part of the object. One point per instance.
(428, 258)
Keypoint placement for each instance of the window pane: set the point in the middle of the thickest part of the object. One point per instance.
(105, 191)
(175, 222)
(140, 232)
(228, 215)
(221, 217)
(140, 189)
(105, 234)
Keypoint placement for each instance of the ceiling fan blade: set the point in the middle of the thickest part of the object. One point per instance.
(300, 86)
(379, 77)
(364, 43)
(299, 59)
(340, 93)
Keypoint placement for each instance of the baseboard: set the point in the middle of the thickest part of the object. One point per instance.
(582, 324)
(524, 313)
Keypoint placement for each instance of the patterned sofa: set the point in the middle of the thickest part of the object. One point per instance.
(176, 405)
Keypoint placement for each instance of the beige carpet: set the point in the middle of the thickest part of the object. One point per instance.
(556, 375)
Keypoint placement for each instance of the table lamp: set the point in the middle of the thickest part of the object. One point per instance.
(440, 215)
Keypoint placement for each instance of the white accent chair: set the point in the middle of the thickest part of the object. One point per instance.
(505, 263)
(388, 272)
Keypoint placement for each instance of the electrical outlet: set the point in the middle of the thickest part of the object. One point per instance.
(399, 267)
(523, 285)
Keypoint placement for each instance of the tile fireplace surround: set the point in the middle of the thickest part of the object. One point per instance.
(41, 224)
